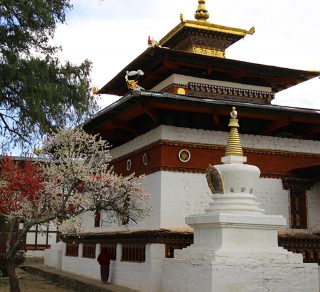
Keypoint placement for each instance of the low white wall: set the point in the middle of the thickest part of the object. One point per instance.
(143, 276)
(147, 276)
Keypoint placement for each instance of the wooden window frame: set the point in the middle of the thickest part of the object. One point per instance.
(298, 209)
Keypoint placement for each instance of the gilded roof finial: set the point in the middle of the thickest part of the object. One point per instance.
(234, 147)
(202, 13)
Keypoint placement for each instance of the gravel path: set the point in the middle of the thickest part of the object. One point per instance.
(31, 283)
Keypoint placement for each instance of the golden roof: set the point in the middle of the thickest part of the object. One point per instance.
(202, 25)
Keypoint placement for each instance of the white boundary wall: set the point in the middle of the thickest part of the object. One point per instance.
(142, 276)
(145, 277)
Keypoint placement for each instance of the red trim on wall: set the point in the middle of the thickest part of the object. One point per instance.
(163, 155)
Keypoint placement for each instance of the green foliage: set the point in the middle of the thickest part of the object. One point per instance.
(38, 94)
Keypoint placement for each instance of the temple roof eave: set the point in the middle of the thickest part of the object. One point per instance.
(168, 61)
(141, 111)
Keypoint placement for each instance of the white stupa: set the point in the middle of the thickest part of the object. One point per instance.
(235, 244)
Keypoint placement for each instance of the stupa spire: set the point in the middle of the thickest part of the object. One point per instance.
(202, 13)
(234, 147)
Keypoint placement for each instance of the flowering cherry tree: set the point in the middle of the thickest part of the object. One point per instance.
(72, 177)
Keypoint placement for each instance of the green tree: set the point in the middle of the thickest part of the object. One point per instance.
(38, 94)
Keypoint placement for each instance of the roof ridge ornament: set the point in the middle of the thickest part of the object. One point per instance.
(202, 13)
(132, 79)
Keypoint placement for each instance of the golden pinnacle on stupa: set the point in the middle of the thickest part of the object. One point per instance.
(234, 147)
(202, 13)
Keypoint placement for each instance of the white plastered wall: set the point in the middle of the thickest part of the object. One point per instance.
(183, 194)
(152, 184)
(272, 197)
(175, 195)
(313, 206)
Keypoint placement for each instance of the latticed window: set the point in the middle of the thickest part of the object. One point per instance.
(72, 250)
(298, 208)
(89, 251)
(111, 250)
(97, 219)
(133, 252)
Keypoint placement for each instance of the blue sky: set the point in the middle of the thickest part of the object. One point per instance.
(112, 33)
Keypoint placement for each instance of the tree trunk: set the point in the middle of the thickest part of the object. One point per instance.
(13, 280)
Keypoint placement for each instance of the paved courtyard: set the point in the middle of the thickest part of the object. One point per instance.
(36, 277)
(32, 283)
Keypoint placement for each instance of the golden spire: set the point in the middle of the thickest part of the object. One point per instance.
(202, 13)
(234, 146)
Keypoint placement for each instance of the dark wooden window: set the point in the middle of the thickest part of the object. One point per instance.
(298, 206)
(97, 218)
(133, 252)
(89, 251)
(72, 250)
(111, 249)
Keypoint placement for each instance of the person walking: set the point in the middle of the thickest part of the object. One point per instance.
(104, 261)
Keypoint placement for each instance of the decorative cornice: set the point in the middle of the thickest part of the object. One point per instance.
(230, 93)
(163, 156)
(297, 184)
(215, 147)
(217, 92)
(125, 237)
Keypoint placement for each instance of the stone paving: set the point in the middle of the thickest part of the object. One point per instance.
(34, 278)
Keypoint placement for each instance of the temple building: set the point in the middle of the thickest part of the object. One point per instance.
(172, 122)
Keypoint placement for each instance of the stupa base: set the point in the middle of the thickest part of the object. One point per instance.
(189, 275)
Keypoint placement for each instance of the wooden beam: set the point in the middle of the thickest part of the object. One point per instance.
(201, 109)
(114, 123)
(215, 119)
(312, 132)
(276, 125)
(115, 135)
(124, 125)
(170, 64)
(151, 113)
(240, 74)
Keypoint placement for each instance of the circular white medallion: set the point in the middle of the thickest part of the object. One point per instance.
(184, 155)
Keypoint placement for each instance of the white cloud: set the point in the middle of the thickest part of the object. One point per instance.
(113, 33)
